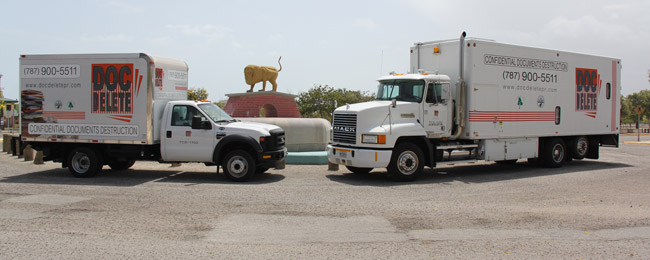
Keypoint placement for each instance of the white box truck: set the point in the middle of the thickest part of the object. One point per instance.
(88, 110)
(475, 99)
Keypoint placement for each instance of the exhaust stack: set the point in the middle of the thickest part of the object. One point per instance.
(460, 106)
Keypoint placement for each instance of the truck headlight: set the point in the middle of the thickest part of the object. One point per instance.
(373, 139)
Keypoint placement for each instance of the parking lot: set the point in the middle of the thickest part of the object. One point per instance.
(588, 209)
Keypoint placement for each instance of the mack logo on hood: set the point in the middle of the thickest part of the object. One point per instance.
(345, 129)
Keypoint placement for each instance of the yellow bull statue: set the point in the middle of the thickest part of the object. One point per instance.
(255, 74)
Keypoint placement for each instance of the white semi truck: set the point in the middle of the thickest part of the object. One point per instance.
(89, 110)
(475, 99)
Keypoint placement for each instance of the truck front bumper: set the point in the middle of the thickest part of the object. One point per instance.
(364, 158)
(273, 159)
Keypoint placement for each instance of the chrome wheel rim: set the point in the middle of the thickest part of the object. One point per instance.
(558, 153)
(237, 166)
(407, 162)
(582, 146)
(80, 162)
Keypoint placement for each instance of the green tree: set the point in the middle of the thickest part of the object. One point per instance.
(641, 98)
(628, 116)
(221, 103)
(321, 100)
(197, 94)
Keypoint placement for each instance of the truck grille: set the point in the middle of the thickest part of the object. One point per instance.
(344, 128)
(276, 141)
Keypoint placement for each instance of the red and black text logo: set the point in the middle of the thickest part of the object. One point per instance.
(159, 78)
(587, 89)
(112, 88)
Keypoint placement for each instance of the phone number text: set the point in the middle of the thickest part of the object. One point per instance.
(66, 71)
(530, 76)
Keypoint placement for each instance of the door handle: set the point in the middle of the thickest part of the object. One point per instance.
(169, 134)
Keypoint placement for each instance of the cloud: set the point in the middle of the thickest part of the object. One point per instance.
(114, 38)
(276, 37)
(236, 44)
(207, 31)
(123, 6)
(161, 40)
(366, 23)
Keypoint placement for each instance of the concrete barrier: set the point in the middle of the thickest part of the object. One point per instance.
(6, 143)
(302, 134)
(15, 147)
(29, 153)
(332, 166)
(38, 159)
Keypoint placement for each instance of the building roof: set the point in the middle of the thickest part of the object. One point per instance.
(8, 100)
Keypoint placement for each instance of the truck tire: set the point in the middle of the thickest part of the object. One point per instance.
(358, 170)
(120, 165)
(84, 162)
(554, 153)
(238, 165)
(580, 147)
(406, 163)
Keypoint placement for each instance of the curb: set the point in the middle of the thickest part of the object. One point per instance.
(307, 158)
(638, 143)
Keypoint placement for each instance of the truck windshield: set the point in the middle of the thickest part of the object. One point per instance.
(410, 90)
(216, 113)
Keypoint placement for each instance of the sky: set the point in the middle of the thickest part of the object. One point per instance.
(342, 44)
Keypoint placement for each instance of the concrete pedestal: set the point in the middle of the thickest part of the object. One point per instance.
(262, 104)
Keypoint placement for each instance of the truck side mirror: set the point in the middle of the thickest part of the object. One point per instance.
(199, 123)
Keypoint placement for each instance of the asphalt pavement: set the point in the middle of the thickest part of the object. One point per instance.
(588, 209)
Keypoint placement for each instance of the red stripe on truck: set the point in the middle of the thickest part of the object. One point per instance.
(511, 116)
(614, 98)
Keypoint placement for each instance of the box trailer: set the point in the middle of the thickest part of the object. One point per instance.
(88, 110)
(476, 99)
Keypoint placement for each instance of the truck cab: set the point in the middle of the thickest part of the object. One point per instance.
(201, 132)
(429, 97)
(408, 109)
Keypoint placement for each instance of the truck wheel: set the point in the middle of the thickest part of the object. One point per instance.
(358, 170)
(406, 163)
(580, 147)
(238, 165)
(554, 153)
(120, 165)
(84, 162)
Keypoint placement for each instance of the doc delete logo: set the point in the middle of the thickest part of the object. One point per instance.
(588, 84)
(112, 88)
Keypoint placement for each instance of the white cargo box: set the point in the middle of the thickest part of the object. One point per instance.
(98, 98)
(516, 91)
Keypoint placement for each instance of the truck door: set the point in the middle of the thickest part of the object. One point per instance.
(437, 110)
(182, 143)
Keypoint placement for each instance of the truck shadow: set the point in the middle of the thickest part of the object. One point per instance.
(489, 172)
(134, 177)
